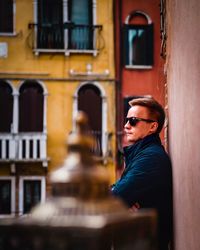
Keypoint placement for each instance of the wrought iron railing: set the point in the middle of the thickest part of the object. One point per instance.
(50, 36)
(67, 36)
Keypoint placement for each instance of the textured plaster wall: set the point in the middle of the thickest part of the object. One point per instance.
(184, 119)
(21, 59)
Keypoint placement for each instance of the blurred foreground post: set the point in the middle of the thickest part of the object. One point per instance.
(81, 214)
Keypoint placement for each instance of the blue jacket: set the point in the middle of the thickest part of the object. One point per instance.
(147, 180)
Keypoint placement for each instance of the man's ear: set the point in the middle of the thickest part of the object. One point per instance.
(154, 127)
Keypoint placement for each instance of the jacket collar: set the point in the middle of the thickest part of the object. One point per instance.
(132, 150)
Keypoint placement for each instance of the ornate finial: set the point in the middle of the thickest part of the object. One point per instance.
(79, 176)
(81, 122)
(80, 140)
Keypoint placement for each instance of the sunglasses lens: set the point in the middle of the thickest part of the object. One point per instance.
(132, 121)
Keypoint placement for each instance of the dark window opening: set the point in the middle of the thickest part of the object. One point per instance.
(6, 16)
(50, 24)
(138, 45)
(31, 107)
(5, 197)
(6, 107)
(90, 101)
(32, 194)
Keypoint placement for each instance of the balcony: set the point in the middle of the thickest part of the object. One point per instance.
(32, 147)
(66, 38)
(23, 147)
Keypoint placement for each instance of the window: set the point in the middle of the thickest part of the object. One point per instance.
(31, 107)
(7, 196)
(138, 44)
(65, 26)
(94, 112)
(80, 14)
(23, 126)
(50, 24)
(6, 16)
(31, 192)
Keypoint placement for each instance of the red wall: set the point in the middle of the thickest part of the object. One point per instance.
(148, 81)
(134, 82)
(143, 82)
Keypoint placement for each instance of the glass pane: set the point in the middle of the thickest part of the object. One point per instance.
(6, 16)
(32, 194)
(137, 41)
(80, 13)
(5, 196)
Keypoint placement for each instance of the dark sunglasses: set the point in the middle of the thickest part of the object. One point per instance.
(134, 120)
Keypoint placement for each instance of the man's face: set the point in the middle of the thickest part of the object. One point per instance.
(142, 128)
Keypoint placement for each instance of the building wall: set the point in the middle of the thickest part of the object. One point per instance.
(145, 82)
(138, 82)
(184, 118)
(53, 71)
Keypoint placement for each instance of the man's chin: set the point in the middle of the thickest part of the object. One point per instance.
(130, 140)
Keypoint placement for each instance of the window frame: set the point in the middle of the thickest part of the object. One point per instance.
(149, 43)
(130, 24)
(104, 112)
(12, 197)
(13, 33)
(21, 190)
(66, 21)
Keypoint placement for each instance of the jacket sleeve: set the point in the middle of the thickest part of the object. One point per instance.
(142, 176)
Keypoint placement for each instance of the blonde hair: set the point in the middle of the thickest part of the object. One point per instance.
(156, 111)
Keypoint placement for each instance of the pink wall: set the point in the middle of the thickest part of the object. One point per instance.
(184, 119)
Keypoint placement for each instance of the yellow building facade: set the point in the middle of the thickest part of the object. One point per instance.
(56, 57)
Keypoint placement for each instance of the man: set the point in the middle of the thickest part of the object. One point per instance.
(146, 181)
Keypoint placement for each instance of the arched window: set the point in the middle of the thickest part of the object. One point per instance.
(31, 107)
(90, 101)
(6, 106)
(138, 44)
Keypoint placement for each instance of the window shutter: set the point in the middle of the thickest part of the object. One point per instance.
(125, 44)
(150, 44)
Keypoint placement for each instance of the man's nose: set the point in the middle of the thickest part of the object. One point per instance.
(127, 125)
